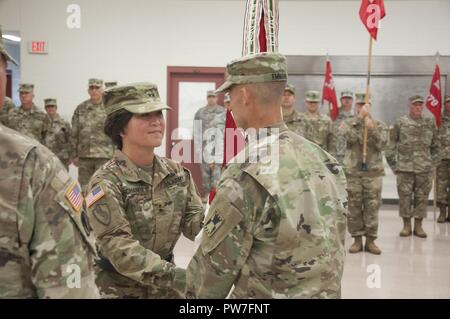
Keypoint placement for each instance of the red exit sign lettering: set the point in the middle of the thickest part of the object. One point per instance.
(38, 47)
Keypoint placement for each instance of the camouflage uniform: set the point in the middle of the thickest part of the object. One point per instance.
(364, 187)
(138, 214)
(44, 239)
(294, 122)
(210, 117)
(30, 123)
(443, 170)
(88, 141)
(8, 106)
(57, 138)
(341, 145)
(320, 131)
(273, 231)
(413, 154)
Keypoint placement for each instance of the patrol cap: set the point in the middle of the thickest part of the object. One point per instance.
(50, 102)
(447, 98)
(138, 98)
(96, 83)
(312, 96)
(416, 98)
(227, 97)
(255, 68)
(3, 51)
(26, 88)
(110, 84)
(211, 93)
(360, 98)
(345, 94)
(290, 88)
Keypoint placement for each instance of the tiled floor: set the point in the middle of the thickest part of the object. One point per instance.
(408, 267)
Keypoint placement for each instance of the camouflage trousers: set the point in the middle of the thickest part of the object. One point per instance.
(87, 168)
(364, 202)
(413, 190)
(210, 176)
(443, 183)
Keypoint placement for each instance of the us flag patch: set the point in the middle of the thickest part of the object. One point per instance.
(94, 195)
(75, 197)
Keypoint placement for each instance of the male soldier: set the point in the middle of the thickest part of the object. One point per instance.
(91, 148)
(443, 170)
(364, 187)
(110, 84)
(45, 249)
(412, 155)
(57, 132)
(8, 106)
(28, 119)
(345, 112)
(316, 127)
(276, 227)
(291, 117)
(212, 116)
(227, 100)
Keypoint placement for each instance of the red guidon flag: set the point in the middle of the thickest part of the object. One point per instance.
(434, 99)
(329, 92)
(371, 12)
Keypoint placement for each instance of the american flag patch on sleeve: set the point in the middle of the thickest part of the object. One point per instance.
(94, 195)
(75, 197)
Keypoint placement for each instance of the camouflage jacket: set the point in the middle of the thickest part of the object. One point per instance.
(45, 247)
(320, 131)
(57, 137)
(352, 130)
(294, 122)
(29, 123)
(137, 218)
(444, 136)
(87, 137)
(275, 229)
(210, 117)
(8, 106)
(414, 145)
(340, 140)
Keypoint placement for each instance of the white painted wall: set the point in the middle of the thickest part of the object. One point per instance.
(136, 40)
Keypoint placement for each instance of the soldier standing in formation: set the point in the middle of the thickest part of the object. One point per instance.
(28, 119)
(345, 112)
(364, 187)
(276, 228)
(8, 106)
(443, 170)
(44, 234)
(57, 132)
(317, 127)
(91, 148)
(291, 117)
(212, 116)
(412, 156)
(140, 203)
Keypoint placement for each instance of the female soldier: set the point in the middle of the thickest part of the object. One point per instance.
(139, 203)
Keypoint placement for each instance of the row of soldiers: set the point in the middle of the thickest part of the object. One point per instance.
(413, 147)
(83, 143)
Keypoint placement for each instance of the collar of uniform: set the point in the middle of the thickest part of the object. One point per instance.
(161, 171)
(32, 110)
(295, 116)
(281, 126)
(415, 120)
(130, 171)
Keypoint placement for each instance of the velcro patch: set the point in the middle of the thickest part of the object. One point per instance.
(213, 224)
(94, 195)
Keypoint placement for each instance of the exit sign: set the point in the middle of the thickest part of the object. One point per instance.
(38, 47)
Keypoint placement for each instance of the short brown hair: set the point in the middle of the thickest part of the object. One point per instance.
(115, 124)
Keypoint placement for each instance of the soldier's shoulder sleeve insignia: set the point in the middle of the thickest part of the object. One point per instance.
(213, 224)
(94, 195)
(102, 214)
(74, 196)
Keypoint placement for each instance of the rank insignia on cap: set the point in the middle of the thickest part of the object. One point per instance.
(213, 224)
(94, 195)
(75, 197)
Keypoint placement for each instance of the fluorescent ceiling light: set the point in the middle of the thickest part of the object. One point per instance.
(12, 37)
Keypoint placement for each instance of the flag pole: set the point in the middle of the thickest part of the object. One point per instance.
(367, 99)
